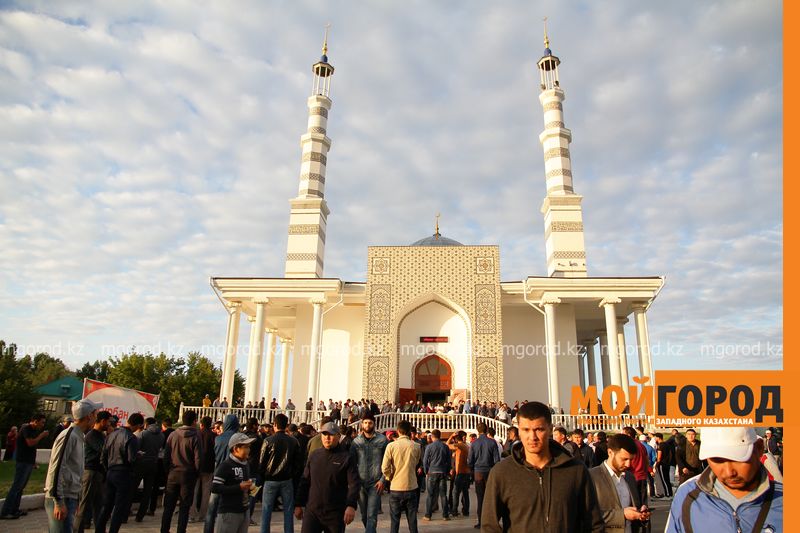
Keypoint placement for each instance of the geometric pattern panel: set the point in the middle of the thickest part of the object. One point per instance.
(484, 309)
(486, 377)
(380, 309)
(397, 278)
(484, 265)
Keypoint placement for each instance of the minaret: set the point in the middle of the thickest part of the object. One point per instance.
(305, 251)
(563, 218)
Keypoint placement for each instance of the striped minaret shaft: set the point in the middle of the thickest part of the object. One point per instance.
(563, 216)
(305, 251)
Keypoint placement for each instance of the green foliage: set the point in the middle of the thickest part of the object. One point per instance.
(18, 401)
(97, 371)
(43, 368)
(175, 379)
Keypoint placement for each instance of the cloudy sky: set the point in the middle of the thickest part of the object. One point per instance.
(145, 147)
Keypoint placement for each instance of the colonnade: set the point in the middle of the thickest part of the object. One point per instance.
(258, 365)
(613, 348)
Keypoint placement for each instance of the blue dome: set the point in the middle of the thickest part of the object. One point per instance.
(548, 52)
(324, 58)
(436, 240)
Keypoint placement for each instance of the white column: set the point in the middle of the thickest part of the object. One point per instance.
(314, 349)
(286, 346)
(256, 353)
(606, 371)
(248, 382)
(622, 346)
(643, 341)
(582, 371)
(549, 304)
(270, 365)
(611, 333)
(231, 342)
(590, 362)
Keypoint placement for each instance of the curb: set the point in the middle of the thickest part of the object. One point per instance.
(29, 502)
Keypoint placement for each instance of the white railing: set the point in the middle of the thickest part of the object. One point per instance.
(296, 416)
(445, 422)
(601, 422)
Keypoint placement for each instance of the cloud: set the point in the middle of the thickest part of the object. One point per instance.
(145, 149)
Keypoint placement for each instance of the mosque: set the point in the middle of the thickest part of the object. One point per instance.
(433, 321)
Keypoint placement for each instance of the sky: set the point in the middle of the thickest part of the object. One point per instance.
(148, 146)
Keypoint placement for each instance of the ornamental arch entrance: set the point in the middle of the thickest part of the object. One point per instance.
(433, 379)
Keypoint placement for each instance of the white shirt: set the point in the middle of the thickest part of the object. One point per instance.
(623, 492)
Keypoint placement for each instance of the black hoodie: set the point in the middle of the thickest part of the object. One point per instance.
(559, 498)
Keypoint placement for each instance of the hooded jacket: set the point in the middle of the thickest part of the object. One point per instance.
(708, 512)
(229, 427)
(150, 443)
(183, 450)
(559, 498)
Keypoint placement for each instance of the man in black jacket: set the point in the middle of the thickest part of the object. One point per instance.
(329, 487)
(582, 451)
(118, 459)
(91, 500)
(182, 458)
(146, 469)
(203, 487)
(280, 465)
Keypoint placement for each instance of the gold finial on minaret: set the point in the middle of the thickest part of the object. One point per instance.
(325, 42)
(546, 39)
(437, 234)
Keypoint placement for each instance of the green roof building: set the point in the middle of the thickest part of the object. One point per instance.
(58, 395)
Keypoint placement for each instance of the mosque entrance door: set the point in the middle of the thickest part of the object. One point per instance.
(433, 380)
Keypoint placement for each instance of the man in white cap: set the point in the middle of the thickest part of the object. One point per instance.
(62, 486)
(734, 492)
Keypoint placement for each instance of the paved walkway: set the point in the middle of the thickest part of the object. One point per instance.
(36, 521)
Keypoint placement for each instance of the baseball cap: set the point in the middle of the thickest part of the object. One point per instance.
(733, 444)
(84, 407)
(239, 439)
(329, 428)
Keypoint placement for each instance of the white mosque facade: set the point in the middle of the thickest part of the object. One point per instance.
(433, 321)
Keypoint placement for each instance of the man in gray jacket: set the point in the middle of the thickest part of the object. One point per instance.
(63, 483)
(615, 485)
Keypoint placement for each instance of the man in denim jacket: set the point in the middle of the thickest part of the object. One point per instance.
(367, 450)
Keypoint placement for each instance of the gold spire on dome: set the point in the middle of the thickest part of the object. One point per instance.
(546, 39)
(437, 234)
(325, 42)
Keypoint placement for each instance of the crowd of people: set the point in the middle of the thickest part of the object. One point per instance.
(351, 411)
(216, 472)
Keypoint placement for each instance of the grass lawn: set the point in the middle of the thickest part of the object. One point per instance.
(35, 485)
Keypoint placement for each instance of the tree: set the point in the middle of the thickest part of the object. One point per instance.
(18, 401)
(97, 370)
(176, 380)
(43, 368)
